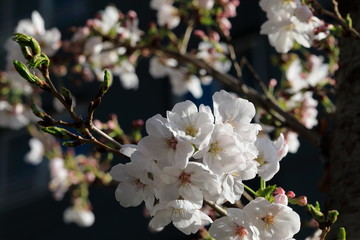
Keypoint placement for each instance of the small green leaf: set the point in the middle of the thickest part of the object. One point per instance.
(60, 133)
(67, 95)
(341, 234)
(72, 143)
(27, 41)
(348, 20)
(39, 60)
(31, 78)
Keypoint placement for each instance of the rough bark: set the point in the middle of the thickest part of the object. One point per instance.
(344, 194)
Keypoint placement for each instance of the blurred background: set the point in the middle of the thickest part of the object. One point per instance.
(27, 208)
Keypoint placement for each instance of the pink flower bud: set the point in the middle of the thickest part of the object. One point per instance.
(272, 83)
(301, 201)
(214, 36)
(200, 34)
(281, 199)
(278, 190)
(132, 15)
(290, 194)
(90, 177)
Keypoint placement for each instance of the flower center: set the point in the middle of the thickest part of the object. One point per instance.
(138, 184)
(231, 121)
(260, 159)
(268, 219)
(240, 231)
(185, 178)
(191, 131)
(179, 213)
(215, 148)
(171, 143)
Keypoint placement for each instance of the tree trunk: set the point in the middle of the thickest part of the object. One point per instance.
(344, 193)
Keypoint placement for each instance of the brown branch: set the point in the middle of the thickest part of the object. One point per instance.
(216, 207)
(266, 102)
(335, 15)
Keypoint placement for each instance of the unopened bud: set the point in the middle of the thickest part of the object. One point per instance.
(341, 234)
(31, 78)
(278, 190)
(200, 34)
(67, 95)
(43, 115)
(301, 201)
(332, 216)
(60, 133)
(27, 41)
(39, 60)
(316, 213)
(107, 81)
(272, 83)
(290, 194)
(214, 36)
(72, 143)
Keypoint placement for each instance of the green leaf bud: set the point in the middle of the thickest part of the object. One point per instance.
(31, 78)
(332, 216)
(27, 41)
(341, 234)
(39, 60)
(60, 133)
(67, 95)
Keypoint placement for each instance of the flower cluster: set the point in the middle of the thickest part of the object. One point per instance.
(96, 46)
(288, 22)
(195, 154)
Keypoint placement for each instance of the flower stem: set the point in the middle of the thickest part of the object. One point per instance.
(250, 190)
(262, 184)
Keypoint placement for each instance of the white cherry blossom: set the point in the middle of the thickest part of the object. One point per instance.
(273, 220)
(192, 183)
(161, 144)
(234, 226)
(168, 16)
(182, 213)
(136, 181)
(36, 153)
(238, 113)
(270, 153)
(224, 153)
(82, 217)
(231, 188)
(190, 124)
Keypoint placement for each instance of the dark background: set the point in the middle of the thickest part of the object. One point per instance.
(27, 209)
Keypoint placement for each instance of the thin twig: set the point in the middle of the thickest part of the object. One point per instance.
(186, 38)
(255, 75)
(324, 232)
(232, 54)
(336, 15)
(107, 137)
(216, 207)
(268, 104)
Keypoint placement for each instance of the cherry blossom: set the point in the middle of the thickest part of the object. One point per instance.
(192, 183)
(36, 153)
(182, 213)
(82, 217)
(161, 144)
(273, 220)
(235, 226)
(190, 124)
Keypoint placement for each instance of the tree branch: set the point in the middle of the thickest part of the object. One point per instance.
(266, 102)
